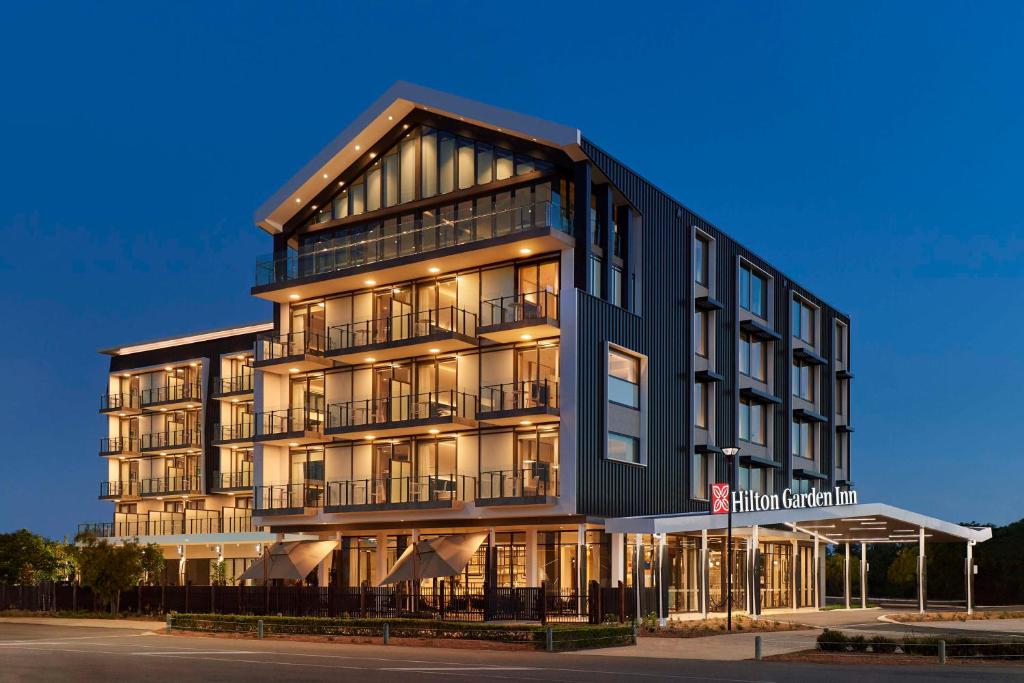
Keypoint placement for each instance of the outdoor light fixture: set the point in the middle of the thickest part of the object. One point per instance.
(370, 283)
(293, 297)
(524, 251)
(730, 456)
(434, 350)
(433, 269)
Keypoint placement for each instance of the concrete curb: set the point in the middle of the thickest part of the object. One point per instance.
(86, 622)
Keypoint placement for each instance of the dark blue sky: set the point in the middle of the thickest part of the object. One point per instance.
(872, 153)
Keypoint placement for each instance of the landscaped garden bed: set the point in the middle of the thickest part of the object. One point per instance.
(698, 628)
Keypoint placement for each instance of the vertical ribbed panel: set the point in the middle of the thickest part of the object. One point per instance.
(664, 334)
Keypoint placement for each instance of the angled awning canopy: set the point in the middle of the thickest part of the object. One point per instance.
(863, 522)
(292, 560)
(354, 143)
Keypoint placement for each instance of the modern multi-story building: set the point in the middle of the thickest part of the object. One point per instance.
(483, 321)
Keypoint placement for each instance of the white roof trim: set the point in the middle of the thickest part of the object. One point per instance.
(373, 123)
(168, 342)
(696, 522)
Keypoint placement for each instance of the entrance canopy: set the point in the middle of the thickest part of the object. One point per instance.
(859, 523)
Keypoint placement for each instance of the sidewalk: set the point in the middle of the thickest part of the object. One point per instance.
(727, 648)
(136, 624)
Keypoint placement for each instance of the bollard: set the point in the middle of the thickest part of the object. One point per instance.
(387, 633)
(757, 648)
(549, 639)
(942, 652)
(168, 623)
(634, 633)
(259, 629)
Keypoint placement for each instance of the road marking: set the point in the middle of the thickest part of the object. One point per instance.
(194, 652)
(495, 667)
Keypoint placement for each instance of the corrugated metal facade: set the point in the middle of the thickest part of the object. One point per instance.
(663, 332)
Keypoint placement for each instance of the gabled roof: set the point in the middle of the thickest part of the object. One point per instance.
(377, 120)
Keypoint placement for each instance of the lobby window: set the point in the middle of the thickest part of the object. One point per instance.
(703, 472)
(803, 438)
(700, 401)
(753, 357)
(623, 448)
(752, 422)
(803, 321)
(623, 379)
(700, 333)
(700, 265)
(803, 381)
(755, 479)
(753, 292)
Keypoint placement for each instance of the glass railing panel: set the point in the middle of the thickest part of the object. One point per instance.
(428, 405)
(522, 395)
(539, 479)
(404, 327)
(516, 308)
(400, 490)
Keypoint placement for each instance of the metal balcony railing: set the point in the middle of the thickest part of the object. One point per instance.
(274, 346)
(522, 395)
(381, 411)
(403, 327)
(178, 438)
(171, 485)
(235, 432)
(373, 243)
(399, 490)
(124, 401)
(278, 497)
(190, 391)
(536, 306)
(234, 523)
(539, 479)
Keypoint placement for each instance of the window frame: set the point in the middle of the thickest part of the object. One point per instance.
(801, 312)
(748, 273)
(618, 436)
(640, 409)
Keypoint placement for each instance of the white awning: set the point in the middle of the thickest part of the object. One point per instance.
(289, 560)
(861, 523)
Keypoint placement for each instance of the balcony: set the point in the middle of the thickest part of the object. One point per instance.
(438, 411)
(402, 336)
(450, 244)
(120, 404)
(234, 435)
(528, 315)
(171, 442)
(534, 485)
(291, 352)
(117, 490)
(171, 486)
(175, 524)
(289, 425)
(224, 482)
(434, 491)
(288, 499)
(533, 401)
(123, 446)
(239, 387)
(173, 396)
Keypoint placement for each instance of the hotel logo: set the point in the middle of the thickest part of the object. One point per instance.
(719, 499)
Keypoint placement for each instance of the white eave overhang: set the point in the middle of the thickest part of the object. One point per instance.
(378, 119)
(842, 523)
(181, 340)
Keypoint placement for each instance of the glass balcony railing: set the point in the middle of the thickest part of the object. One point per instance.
(375, 244)
(192, 391)
(404, 327)
(274, 346)
(179, 438)
(381, 411)
(281, 497)
(237, 522)
(287, 421)
(523, 395)
(539, 479)
(537, 306)
(128, 488)
(232, 480)
(113, 445)
(237, 384)
(115, 402)
(155, 486)
(429, 488)
(237, 432)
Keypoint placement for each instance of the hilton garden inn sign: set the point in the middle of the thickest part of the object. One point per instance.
(752, 501)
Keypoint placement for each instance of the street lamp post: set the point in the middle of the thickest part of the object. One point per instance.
(730, 455)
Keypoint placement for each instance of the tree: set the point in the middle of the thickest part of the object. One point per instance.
(219, 573)
(25, 558)
(152, 563)
(902, 573)
(109, 569)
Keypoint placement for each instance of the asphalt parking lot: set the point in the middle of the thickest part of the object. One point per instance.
(59, 652)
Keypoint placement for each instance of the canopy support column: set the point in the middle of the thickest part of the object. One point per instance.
(618, 559)
(846, 577)
(754, 573)
(816, 573)
(969, 576)
(922, 589)
(531, 557)
(380, 559)
(704, 559)
(863, 575)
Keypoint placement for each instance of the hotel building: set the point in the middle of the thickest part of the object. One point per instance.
(483, 321)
